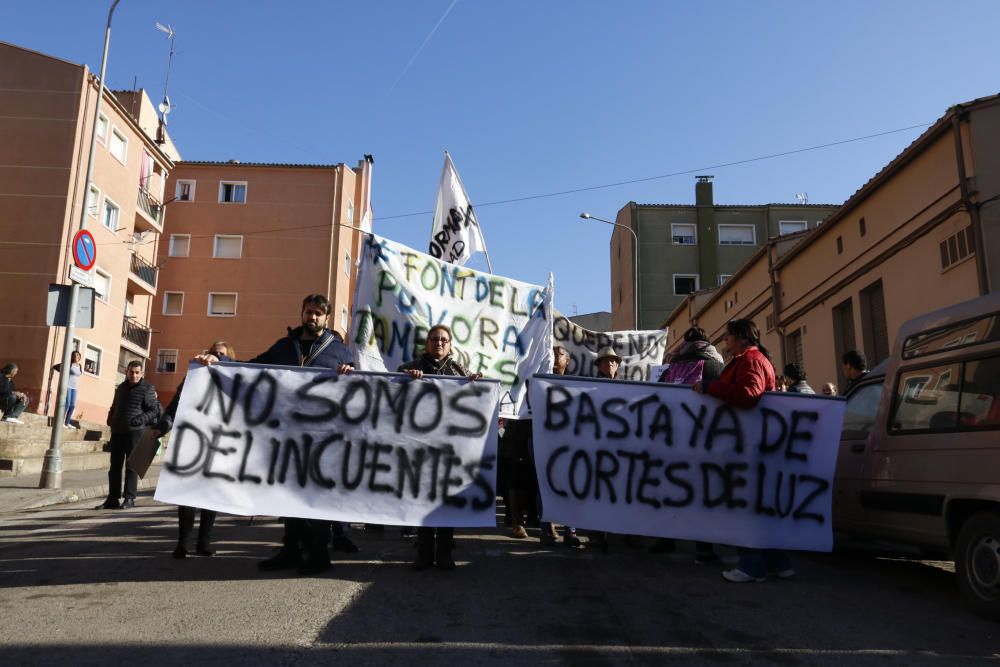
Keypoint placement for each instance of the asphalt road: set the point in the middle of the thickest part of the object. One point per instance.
(86, 587)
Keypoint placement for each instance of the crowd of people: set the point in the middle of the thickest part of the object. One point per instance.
(307, 543)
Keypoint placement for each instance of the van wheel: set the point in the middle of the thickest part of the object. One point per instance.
(977, 563)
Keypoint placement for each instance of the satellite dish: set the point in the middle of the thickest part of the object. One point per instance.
(164, 106)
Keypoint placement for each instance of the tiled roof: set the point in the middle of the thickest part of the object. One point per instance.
(740, 205)
(282, 165)
(942, 124)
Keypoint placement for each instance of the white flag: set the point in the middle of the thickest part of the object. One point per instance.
(455, 235)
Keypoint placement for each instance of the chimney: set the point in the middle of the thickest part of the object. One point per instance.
(703, 191)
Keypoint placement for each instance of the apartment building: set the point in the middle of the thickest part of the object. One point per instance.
(685, 248)
(246, 242)
(46, 116)
(921, 234)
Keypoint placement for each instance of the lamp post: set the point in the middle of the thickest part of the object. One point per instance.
(635, 263)
(51, 477)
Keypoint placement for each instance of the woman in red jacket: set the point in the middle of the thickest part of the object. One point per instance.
(743, 381)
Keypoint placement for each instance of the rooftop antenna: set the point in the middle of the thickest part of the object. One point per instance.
(802, 197)
(164, 106)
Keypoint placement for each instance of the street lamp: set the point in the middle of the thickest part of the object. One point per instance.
(635, 264)
(51, 477)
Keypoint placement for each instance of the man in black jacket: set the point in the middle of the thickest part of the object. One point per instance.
(134, 407)
(312, 345)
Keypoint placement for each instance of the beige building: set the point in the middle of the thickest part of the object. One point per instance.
(46, 116)
(923, 233)
(685, 248)
(246, 243)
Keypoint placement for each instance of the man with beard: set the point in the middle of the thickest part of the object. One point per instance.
(314, 346)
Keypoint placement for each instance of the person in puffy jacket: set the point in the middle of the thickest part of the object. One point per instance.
(697, 360)
(434, 545)
(742, 384)
(134, 407)
(185, 514)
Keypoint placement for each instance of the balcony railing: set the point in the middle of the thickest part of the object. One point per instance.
(135, 333)
(151, 206)
(144, 270)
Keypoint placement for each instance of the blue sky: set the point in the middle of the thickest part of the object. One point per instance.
(540, 97)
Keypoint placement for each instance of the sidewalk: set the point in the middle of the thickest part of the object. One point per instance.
(22, 492)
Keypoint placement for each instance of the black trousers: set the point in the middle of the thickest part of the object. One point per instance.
(185, 526)
(122, 445)
(311, 536)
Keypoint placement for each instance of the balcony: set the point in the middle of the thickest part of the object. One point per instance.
(136, 335)
(149, 213)
(142, 276)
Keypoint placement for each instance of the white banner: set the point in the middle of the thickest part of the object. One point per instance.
(661, 460)
(302, 442)
(500, 327)
(455, 233)
(639, 350)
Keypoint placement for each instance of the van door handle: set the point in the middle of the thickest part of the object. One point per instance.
(858, 447)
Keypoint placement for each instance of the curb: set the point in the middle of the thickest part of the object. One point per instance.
(62, 496)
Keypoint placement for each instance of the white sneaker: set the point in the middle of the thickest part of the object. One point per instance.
(785, 574)
(13, 420)
(738, 576)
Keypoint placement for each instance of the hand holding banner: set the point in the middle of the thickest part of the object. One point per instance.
(661, 460)
(302, 442)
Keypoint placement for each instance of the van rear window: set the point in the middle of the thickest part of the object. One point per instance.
(962, 334)
(957, 396)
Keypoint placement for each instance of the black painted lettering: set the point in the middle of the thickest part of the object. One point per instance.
(556, 454)
(611, 409)
(433, 414)
(481, 423)
(671, 473)
(174, 465)
(257, 410)
(731, 430)
(799, 434)
(243, 476)
(557, 401)
(820, 486)
(374, 468)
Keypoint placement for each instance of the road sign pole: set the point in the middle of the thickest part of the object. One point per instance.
(52, 467)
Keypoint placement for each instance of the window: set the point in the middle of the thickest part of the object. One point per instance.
(979, 401)
(723, 277)
(180, 245)
(92, 356)
(93, 201)
(791, 226)
(685, 283)
(683, 234)
(166, 361)
(222, 304)
(185, 190)
(232, 192)
(969, 332)
(228, 247)
(862, 227)
(843, 334)
(350, 212)
(343, 317)
(119, 145)
(102, 129)
(874, 332)
(957, 247)
(102, 285)
(173, 303)
(737, 235)
(793, 347)
(859, 417)
(927, 400)
(111, 214)
(77, 345)
(840, 245)
(347, 263)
